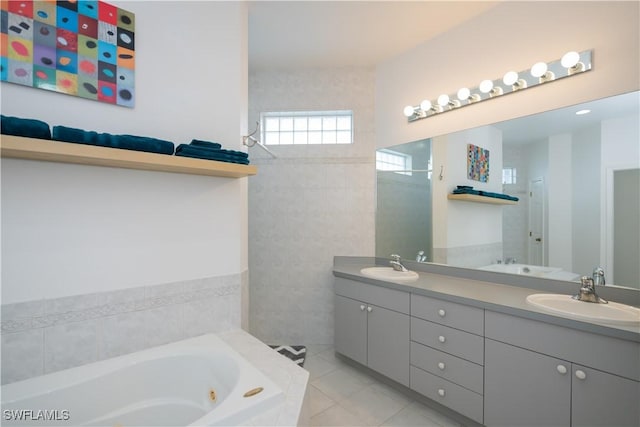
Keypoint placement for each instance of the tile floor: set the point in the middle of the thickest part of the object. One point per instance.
(341, 395)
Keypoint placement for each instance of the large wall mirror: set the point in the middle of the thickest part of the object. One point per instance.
(577, 177)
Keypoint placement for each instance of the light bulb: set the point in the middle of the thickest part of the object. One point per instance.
(408, 111)
(570, 59)
(464, 94)
(510, 78)
(539, 69)
(425, 105)
(486, 86)
(443, 100)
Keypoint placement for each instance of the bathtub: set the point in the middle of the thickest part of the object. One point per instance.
(532, 270)
(200, 381)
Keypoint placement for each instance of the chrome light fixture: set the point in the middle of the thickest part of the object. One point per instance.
(571, 64)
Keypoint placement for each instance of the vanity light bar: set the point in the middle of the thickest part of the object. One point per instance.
(571, 64)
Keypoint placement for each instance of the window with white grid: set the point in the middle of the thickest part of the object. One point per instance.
(389, 160)
(509, 175)
(307, 127)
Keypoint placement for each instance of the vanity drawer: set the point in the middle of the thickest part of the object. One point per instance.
(458, 398)
(453, 341)
(459, 316)
(613, 355)
(452, 368)
(377, 295)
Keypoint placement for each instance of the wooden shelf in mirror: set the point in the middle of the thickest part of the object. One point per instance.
(18, 147)
(481, 199)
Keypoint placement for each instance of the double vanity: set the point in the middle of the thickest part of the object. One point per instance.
(498, 354)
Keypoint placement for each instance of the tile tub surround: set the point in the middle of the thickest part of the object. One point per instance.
(47, 335)
(469, 256)
(295, 410)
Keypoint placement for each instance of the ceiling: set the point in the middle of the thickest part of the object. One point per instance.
(539, 126)
(286, 35)
(340, 33)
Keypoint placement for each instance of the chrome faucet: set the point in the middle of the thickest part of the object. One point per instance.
(588, 291)
(598, 276)
(510, 260)
(396, 264)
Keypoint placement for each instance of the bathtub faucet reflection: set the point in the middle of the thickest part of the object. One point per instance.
(396, 264)
(598, 276)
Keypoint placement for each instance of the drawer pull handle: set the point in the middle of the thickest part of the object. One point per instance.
(441, 392)
(369, 309)
(362, 307)
(441, 366)
(562, 369)
(441, 313)
(441, 338)
(580, 375)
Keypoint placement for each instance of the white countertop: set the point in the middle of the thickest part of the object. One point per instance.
(492, 296)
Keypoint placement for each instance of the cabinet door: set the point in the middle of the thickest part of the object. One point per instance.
(350, 323)
(601, 399)
(388, 343)
(523, 388)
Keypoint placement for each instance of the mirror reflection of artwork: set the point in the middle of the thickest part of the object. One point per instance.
(477, 163)
(83, 48)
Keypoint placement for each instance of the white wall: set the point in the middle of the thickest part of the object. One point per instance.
(586, 195)
(72, 229)
(619, 150)
(466, 224)
(559, 202)
(513, 35)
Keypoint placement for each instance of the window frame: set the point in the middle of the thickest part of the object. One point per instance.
(406, 166)
(307, 127)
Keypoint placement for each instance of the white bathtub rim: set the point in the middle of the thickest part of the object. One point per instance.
(197, 346)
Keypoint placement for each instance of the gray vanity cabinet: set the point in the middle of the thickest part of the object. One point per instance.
(447, 354)
(350, 337)
(602, 399)
(524, 388)
(547, 375)
(372, 327)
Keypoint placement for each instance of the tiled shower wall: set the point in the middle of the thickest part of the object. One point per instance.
(515, 218)
(43, 336)
(308, 205)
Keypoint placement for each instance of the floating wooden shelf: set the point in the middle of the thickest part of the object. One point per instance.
(481, 199)
(18, 147)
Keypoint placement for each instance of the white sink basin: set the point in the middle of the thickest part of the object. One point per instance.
(611, 313)
(388, 273)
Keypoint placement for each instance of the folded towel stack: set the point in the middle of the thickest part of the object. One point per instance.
(466, 189)
(30, 128)
(125, 142)
(211, 151)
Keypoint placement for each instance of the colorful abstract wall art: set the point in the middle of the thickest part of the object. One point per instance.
(477, 163)
(82, 48)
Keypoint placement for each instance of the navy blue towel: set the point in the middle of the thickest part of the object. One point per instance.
(197, 143)
(30, 128)
(125, 142)
(206, 144)
(465, 189)
(186, 150)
